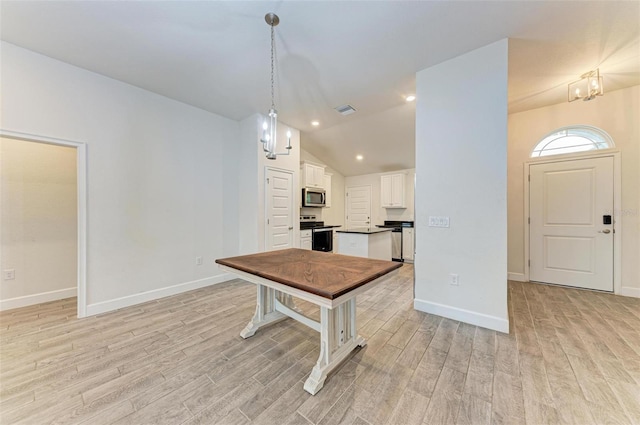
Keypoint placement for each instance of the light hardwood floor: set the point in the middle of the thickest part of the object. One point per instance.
(572, 357)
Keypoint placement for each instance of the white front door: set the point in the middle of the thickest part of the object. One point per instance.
(279, 205)
(571, 244)
(358, 209)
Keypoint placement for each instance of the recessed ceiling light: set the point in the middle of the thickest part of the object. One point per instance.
(410, 98)
(315, 123)
(359, 157)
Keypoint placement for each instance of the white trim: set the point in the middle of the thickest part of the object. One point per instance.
(129, 300)
(617, 204)
(81, 182)
(34, 299)
(525, 222)
(626, 291)
(483, 320)
(571, 156)
(518, 277)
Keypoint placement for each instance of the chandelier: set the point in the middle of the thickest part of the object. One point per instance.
(587, 87)
(270, 125)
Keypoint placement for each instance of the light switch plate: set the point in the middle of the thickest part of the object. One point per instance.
(9, 274)
(438, 221)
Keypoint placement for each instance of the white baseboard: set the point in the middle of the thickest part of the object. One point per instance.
(629, 292)
(40, 298)
(129, 300)
(471, 317)
(518, 277)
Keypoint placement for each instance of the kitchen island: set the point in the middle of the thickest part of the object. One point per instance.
(369, 242)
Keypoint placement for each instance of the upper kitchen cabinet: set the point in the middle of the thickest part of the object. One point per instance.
(327, 188)
(312, 175)
(393, 191)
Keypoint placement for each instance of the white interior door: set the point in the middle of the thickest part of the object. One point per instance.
(570, 244)
(279, 205)
(358, 210)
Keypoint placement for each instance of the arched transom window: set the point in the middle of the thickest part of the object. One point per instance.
(571, 140)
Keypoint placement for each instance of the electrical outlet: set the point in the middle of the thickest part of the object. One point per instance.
(454, 279)
(9, 274)
(198, 261)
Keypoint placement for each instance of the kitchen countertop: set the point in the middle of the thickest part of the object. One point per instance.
(365, 230)
(323, 226)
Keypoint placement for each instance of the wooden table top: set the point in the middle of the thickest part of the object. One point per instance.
(321, 273)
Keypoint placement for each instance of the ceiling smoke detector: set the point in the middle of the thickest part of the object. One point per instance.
(345, 109)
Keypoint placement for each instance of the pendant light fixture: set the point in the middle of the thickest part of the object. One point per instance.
(587, 87)
(270, 125)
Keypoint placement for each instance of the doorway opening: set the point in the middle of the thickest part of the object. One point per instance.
(35, 215)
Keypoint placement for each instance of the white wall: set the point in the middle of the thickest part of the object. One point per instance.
(461, 172)
(39, 222)
(618, 114)
(157, 175)
(335, 214)
(379, 214)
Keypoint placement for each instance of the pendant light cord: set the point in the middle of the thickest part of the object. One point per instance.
(273, 48)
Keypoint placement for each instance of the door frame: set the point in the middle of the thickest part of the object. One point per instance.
(617, 203)
(268, 168)
(81, 183)
(346, 201)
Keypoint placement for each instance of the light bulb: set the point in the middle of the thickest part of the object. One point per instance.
(265, 125)
(289, 134)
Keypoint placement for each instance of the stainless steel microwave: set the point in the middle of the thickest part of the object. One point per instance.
(313, 197)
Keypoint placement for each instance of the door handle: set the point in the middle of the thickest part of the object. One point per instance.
(290, 228)
(606, 231)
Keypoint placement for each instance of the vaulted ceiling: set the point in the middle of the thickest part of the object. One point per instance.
(215, 55)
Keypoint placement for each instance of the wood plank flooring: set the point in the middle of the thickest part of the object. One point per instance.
(572, 357)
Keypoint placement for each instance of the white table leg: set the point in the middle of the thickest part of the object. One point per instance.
(265, 314)
(338, 337)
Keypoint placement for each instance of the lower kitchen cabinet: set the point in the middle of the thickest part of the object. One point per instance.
(408, 243)
(305, 239)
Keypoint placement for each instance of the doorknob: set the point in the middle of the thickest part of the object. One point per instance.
(604, 231)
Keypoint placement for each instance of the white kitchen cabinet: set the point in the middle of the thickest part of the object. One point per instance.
(408, 239)
(305, 239)
(312, 175)
(327, 188)
(392, 191)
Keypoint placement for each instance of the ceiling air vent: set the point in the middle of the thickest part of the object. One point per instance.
(345, 109)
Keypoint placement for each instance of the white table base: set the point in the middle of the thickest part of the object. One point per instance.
(337, 327)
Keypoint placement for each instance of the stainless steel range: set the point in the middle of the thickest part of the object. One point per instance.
(321, 236)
